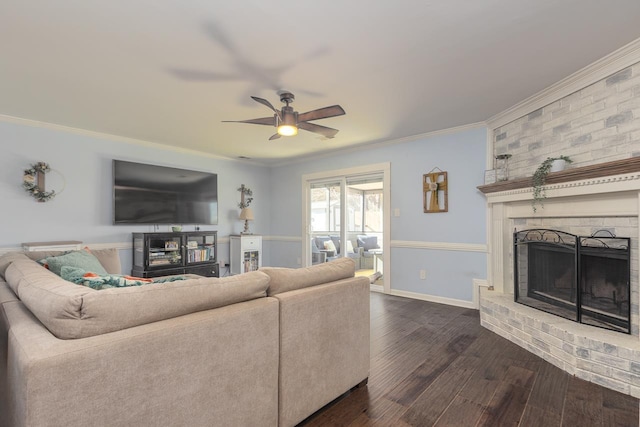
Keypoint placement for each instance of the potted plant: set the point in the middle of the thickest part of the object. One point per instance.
(551, 164)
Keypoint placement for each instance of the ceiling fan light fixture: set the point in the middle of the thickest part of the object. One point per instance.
(289, 121)
(287, 130)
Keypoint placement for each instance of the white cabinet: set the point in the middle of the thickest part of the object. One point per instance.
(245, 253)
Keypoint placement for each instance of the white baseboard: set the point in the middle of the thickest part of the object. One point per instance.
(433, 298)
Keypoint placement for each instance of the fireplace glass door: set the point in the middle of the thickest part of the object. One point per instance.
(584, 279)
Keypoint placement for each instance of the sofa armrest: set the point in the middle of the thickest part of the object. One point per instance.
(214, 367)
(324, 345)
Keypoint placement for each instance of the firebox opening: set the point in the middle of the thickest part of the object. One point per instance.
(549, 265)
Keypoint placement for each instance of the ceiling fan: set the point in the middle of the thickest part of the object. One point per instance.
(287, 121)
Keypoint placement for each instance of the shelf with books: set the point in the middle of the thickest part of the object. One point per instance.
(157, 254)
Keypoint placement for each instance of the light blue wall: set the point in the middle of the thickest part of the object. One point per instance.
(449, 273)
(83, 210)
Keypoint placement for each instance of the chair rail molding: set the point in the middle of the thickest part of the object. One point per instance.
(441, 246)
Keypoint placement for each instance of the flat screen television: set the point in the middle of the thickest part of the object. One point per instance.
(151, 194)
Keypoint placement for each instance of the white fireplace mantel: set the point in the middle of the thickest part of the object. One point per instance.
(611, 196)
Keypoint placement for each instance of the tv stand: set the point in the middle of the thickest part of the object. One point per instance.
(164, 254)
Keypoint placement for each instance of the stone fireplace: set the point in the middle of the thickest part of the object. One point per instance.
(581, 278)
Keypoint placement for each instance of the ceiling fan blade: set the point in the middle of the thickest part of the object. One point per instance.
(271, 121)
(274, 136)
(321, 113)
(265, 103)
(322, 130)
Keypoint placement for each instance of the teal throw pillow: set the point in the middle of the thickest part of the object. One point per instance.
(79, 259)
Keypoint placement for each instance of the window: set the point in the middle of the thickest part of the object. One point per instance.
(325, 207)
(365, 204)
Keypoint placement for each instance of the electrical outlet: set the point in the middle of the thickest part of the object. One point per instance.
(299, 261)
(423, 274)
(396, 212)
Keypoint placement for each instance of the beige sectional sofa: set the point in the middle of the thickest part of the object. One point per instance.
(267, 348)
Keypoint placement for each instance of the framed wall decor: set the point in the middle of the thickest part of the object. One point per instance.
(435, 187)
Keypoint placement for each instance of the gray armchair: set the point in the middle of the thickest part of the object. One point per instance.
(370, 248)
(319, 245)
(320, 253)
(317, 257)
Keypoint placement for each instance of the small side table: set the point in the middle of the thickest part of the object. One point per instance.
(377, 260)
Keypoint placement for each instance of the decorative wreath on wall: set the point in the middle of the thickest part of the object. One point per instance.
(245, 197)
(34, 184)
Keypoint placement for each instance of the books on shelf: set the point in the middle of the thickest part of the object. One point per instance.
(201, 254)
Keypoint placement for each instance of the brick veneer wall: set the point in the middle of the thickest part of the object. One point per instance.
(596, 124)
(608, 358)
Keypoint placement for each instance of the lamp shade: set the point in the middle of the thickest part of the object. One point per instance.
(246, 214)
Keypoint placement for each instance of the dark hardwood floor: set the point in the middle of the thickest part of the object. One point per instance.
(434, 365)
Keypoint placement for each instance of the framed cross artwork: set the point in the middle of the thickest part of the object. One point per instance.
(435, 187)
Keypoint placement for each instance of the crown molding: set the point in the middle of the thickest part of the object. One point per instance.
(598, 70)
(118, 138)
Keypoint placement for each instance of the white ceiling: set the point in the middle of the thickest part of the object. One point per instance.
(398, 68)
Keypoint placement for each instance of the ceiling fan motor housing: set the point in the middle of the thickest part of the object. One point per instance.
(289, 117)
(287, 97)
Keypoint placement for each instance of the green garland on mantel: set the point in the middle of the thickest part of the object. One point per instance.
(29, 182)
(540, 178)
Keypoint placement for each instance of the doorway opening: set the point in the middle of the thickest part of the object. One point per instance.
(346, 213)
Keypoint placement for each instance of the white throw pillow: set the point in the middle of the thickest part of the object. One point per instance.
(350, 247)
(328, 245)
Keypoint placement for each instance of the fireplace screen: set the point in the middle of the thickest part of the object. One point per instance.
(585, 279)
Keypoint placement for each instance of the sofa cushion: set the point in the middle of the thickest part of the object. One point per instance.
(80, 259)
(289, 279)
(109, 258)
(6, 294)
(72, 311)
(368, 242)
(336, 243)
(319, 240)
(7, 259)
